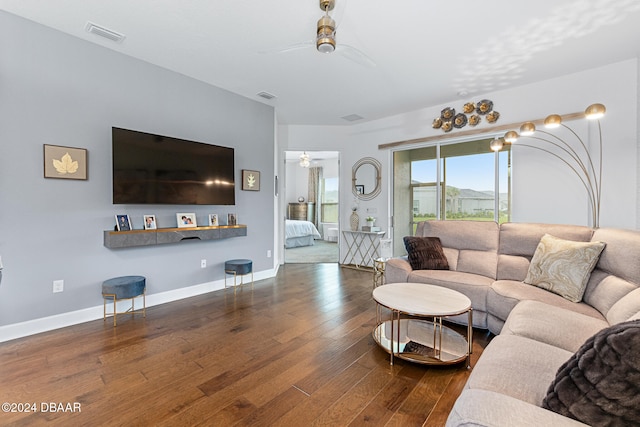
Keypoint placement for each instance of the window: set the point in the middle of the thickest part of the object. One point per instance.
(329, 200)
(449, 181)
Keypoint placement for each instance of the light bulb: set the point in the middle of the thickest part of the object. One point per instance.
(496, 144)
(594, 111)
(552, 121)
(527, 129)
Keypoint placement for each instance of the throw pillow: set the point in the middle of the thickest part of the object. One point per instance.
(425, 253)
(563, 266)
(600, 384)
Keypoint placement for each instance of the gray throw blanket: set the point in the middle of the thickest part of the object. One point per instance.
(600, 384)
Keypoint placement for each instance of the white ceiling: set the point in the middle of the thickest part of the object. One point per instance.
(427, 53)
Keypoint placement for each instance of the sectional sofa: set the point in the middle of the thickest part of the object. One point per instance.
(541, 331)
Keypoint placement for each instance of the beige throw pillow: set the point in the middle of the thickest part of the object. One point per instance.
(563, 266)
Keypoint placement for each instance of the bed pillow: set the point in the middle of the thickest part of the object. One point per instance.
(600, 383)
(563, 266)
(425, 253)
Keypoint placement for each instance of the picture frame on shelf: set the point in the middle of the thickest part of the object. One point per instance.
(213, 220)
(123, 222)
(65, 162)
(250, 180)
(150, 222)
(186, 220)
(232, 219)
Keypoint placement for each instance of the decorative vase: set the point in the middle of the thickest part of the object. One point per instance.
(354, 221)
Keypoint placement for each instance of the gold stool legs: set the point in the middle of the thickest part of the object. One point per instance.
(115, 312)
(235, 275)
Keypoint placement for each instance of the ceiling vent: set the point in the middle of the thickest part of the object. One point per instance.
(104, 32)
(266, 95)
(352, 117)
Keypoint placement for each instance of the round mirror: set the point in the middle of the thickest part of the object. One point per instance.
(366, 177)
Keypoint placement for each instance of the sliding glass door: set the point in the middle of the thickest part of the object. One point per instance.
(463, 181)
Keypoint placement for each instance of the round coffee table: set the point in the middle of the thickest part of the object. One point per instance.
(414, 330)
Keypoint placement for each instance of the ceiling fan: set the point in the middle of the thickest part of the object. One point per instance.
(325, 40)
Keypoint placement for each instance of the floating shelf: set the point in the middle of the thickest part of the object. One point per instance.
(128, 239)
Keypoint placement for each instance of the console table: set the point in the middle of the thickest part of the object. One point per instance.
(127, 239)
(362, 247)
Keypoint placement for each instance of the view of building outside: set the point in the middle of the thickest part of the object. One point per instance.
(469, 193)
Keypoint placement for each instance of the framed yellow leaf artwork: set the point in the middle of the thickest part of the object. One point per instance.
(250, 180)
(65, 162)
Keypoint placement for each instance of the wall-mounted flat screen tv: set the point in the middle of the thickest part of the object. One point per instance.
(155, 169)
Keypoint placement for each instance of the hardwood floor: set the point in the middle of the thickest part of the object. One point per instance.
(295, 351)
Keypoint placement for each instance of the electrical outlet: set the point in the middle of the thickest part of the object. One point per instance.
(58, 286)
(203, 263)
(269, 253)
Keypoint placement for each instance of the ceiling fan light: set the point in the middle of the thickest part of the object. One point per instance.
(326, 40)
(527, 129)
(326, 44)
(594, 111)
(552, 121)
(305, 160)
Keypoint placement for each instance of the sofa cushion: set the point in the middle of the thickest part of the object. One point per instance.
(624, 308)
(475, 244)
(518, 242)
(483, 408)
(621, 255)
(600, 383)
(553, 325)
(604, 290)
(563, 266)
(505, 294)
(518, 367)
(425, 253)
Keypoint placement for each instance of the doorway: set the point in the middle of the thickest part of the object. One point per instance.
(312, 194)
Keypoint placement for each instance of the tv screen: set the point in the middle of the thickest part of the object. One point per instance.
(155, 169)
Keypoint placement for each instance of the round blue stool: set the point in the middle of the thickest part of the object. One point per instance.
(125, 287)
(238, 267)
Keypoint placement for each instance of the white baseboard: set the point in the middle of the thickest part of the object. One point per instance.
(44, 324)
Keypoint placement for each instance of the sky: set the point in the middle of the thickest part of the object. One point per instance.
(475, 171)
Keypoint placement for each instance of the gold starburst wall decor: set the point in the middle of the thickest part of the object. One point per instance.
(65, 162)
(472, 115)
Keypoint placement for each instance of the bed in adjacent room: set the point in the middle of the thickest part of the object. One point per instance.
(300, 233)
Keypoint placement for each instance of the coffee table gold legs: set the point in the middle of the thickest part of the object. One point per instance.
(470, 337)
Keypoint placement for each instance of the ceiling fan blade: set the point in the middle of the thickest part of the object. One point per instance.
(355, 55)
(292, 47)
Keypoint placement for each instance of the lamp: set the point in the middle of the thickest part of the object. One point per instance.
(581, 163)
(304, 160)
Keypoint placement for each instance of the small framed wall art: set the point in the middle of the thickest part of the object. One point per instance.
(250, 180)
(186, 220)
(150, 222)
(65, 162)
(360, 189)
(123, 223)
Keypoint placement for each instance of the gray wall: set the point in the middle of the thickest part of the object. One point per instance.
(55, 89)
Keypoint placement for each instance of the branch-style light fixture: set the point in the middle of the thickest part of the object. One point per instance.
(305, 160)
(580, 162)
